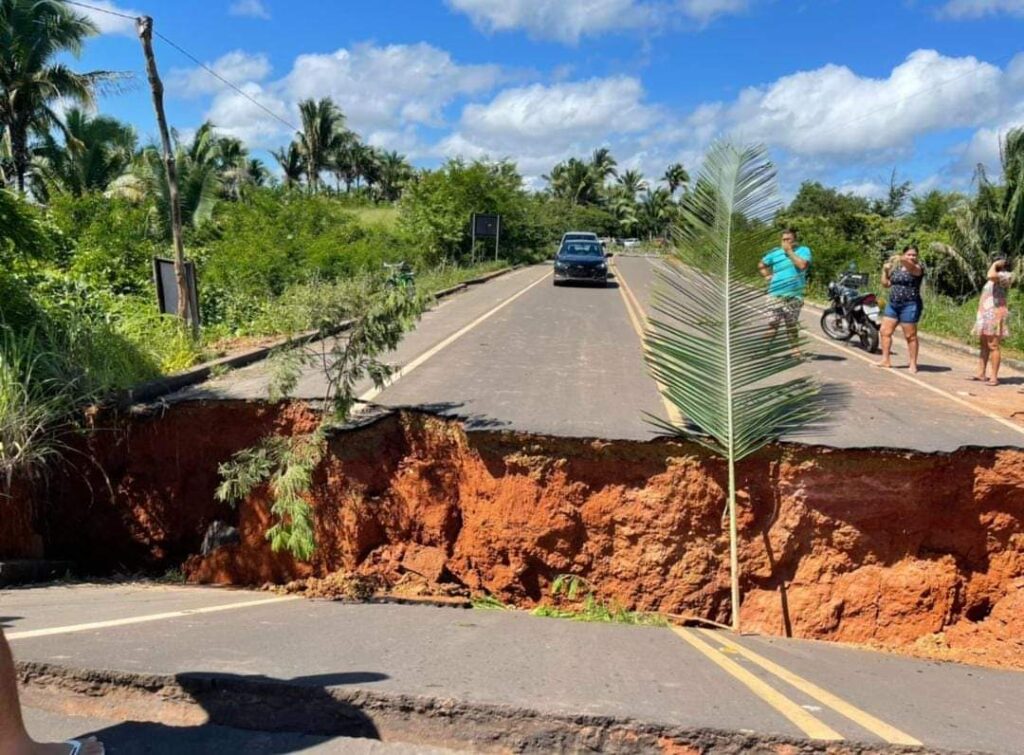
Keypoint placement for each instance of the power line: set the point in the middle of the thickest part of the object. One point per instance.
(195, 60)
(220, 78)
(101, 10)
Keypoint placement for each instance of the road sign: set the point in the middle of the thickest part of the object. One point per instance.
(167, 288)
(485, 226)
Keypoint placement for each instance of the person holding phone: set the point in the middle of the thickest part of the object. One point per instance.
(993, 321)
(902, 275)
(786, 268)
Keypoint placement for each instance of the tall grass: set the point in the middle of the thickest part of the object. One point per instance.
(36, 398)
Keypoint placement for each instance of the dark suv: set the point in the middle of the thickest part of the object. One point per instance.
(581, 261)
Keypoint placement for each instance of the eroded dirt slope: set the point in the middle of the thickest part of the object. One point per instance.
(921, 553)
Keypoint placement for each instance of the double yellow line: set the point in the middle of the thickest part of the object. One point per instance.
(639, 320)
(809, 724)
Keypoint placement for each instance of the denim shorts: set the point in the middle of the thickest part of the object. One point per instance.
(908, 312)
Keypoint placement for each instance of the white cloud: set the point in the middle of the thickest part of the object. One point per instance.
(569, 20)
(833, 111)
(979, 8)
(382, 87)
(383, 91)
(238, 67)
(539, 125)
(251, 8)
(107, 23)
(236, 115)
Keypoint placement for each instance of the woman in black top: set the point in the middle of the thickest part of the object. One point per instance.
(902, 275)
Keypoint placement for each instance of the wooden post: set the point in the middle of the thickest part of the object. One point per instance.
(144, 25)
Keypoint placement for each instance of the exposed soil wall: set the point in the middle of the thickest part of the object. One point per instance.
(911, 551)
(19, 537)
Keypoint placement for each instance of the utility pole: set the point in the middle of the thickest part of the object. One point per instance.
(144, 26)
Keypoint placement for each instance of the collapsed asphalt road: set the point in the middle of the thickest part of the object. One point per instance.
(199, 664)
(518, 353)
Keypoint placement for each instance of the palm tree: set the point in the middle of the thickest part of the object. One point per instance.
(657, 211)
(232, 163)
(708, 349)
(632, 182)
(603, 165)
(676, 177)
(95, 152)
(323, 129)
(291, 161)
(33, 36)
(369, 167)
(256, 173)
(624, 211)
(989, 224)
(575, 181)
(395, 172)
(1012, 158)
(199, 182)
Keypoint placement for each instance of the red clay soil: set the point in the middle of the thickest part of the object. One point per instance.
(18, 536)
(920, 553)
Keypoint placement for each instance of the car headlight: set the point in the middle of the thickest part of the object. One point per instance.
(602, 266)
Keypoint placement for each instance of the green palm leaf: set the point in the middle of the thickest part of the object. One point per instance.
(709, 347)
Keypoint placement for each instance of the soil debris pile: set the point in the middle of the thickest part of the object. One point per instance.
(918, 552)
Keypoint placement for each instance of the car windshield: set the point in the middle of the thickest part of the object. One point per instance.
(582, 249)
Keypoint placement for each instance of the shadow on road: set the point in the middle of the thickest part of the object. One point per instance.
(251, 714)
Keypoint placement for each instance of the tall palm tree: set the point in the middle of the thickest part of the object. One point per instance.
(676, 177)
(33, 36)
(603, 165)
(395, 172)
(1012, 158)
(708, 348)
(233, 165)
(632, 182)
(199, 181)
(323, 129)
(574, 180)
(256, 173)
(292, 163)
(624, 210)
(657, 211)
(94, 152)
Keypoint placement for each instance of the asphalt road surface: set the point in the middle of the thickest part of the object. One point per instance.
(518, 353)
(676, 677)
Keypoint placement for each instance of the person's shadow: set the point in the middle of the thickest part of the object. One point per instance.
(256, 715)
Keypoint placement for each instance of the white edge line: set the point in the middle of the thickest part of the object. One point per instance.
(371, 394)
(71, 628)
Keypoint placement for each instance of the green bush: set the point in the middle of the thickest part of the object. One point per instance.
(108, 241)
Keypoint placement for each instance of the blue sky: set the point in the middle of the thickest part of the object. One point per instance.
(842, 91)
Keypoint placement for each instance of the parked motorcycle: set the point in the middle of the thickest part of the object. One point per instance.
(852, 313)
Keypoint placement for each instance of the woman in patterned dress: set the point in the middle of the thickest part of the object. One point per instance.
(993, 322)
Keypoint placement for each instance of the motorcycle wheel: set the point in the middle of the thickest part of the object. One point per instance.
(869, 338)
(835, 325)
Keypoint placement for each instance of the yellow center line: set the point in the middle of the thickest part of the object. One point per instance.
(880, 728)
(799, 717)
(639, 319)
(371, 394)
(71, 628)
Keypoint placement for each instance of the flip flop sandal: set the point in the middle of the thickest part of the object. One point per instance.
(76, 746)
